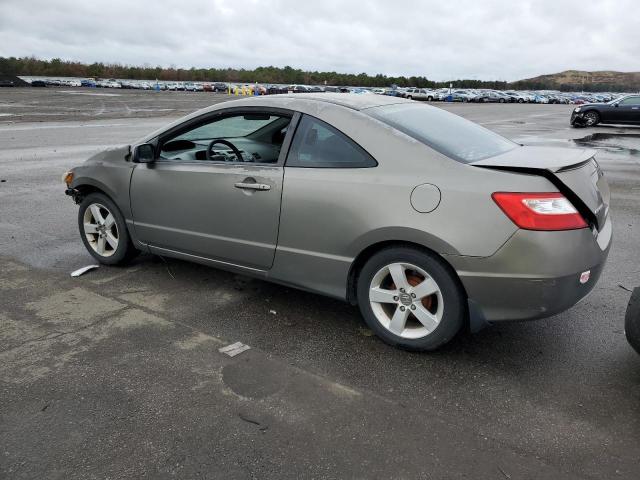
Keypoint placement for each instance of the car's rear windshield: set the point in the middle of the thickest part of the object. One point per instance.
(445, 132)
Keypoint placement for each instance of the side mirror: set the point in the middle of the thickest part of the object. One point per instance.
(145, 153)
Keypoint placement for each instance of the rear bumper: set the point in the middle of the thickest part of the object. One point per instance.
(534, 274)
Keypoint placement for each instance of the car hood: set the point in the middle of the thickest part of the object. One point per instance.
(602, 104)
(113, 154)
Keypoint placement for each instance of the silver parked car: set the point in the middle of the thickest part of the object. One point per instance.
(420, 94)
(427, 221)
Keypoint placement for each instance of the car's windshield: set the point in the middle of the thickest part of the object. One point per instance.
(445, 132)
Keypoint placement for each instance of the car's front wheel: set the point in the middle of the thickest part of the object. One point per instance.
(410, 299)
(591, 118)
(104, 231)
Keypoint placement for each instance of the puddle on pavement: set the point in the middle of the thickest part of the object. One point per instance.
(621, 144)
(615, 146)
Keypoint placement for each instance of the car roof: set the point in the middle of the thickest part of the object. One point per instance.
(297, 101)
(354, 102)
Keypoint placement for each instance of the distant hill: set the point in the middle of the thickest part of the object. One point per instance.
(591, 81)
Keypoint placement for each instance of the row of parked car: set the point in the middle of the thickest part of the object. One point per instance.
(497, 96)
(432, 95)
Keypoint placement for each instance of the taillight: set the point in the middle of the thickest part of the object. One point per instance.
(539, 211)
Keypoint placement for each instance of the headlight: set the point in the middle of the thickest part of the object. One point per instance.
(68, 178)
(577, 109)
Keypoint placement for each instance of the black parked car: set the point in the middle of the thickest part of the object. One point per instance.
(298, 89)
(275, 89)
(622, 110)
(219, 87)
(632, 320)
(38, 83)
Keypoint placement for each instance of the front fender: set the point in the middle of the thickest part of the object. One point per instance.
(111, 178)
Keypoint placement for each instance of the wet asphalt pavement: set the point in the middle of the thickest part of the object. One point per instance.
(117, 374)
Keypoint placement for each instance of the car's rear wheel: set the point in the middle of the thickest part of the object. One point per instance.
(591, 118)
(410, 299)
(104, 231)
(409, 97)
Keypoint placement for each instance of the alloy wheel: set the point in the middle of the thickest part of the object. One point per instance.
(406, 300)
(591, 118)
(100, 229)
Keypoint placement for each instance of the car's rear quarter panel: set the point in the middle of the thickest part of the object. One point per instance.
(329, 216)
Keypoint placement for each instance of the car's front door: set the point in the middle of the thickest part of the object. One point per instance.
(214, 190)
(628, 110)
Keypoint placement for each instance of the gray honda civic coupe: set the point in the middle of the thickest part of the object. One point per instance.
(428, 222)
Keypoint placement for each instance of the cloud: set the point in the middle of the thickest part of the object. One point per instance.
(490, 39)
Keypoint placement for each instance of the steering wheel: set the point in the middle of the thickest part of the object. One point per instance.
(228, 144)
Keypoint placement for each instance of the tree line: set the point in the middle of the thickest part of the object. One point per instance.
(57, 67)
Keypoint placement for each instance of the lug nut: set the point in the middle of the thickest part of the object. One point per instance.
(402, 290)
(402, 309)
(413, 307)
(395, 299)
(413, 295)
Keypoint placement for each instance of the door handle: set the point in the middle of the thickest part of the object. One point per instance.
(253, 186)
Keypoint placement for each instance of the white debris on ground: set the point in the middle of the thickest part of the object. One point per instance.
(234, 349)
(83, 270)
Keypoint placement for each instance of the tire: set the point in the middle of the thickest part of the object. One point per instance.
(395, 318)
(501, 100)
(520, 100)
(100, 223)
(592, 118)
(409, 97)
(429, 99)
(632, 320)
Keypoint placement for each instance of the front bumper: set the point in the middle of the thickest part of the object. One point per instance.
(534, 274)
(577, 118)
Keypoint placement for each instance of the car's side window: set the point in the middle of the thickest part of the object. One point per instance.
(317, 144)
(244, 137)
(631, 101)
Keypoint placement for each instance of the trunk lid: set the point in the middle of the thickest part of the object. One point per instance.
(574, 172)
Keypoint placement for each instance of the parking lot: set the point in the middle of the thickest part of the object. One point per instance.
(117, 374)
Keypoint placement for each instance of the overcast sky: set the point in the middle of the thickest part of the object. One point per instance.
(443, 39)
